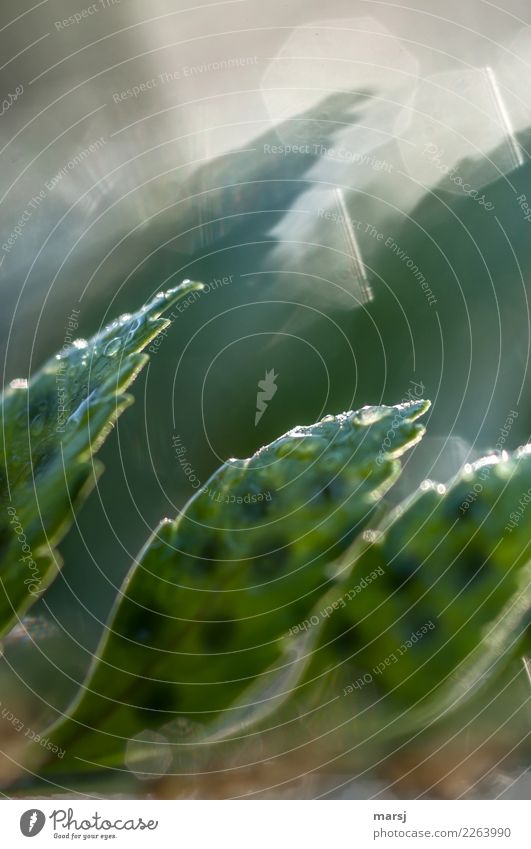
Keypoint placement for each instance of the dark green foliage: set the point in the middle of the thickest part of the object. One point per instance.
(451, 600)
(51, 428)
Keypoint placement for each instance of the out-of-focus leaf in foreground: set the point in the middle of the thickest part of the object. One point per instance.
(51, 427)
(438, 602)
(203, 616)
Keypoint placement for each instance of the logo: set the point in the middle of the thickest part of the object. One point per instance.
(266, 390)
(32, 822)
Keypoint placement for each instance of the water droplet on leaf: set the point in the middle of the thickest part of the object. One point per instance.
(112, 347)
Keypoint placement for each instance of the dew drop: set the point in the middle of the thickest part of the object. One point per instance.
(112, 347)
(134, 328)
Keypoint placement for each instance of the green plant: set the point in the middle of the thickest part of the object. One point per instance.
(451, 606)
(206, 607)
(253, 591)
(52, 426)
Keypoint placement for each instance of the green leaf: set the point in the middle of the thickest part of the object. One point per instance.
(438, 601)
(206, 608)
(51, 428)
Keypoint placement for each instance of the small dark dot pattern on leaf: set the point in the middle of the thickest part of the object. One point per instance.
(447, 604)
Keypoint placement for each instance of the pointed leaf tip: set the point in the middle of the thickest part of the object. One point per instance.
(164, 300)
